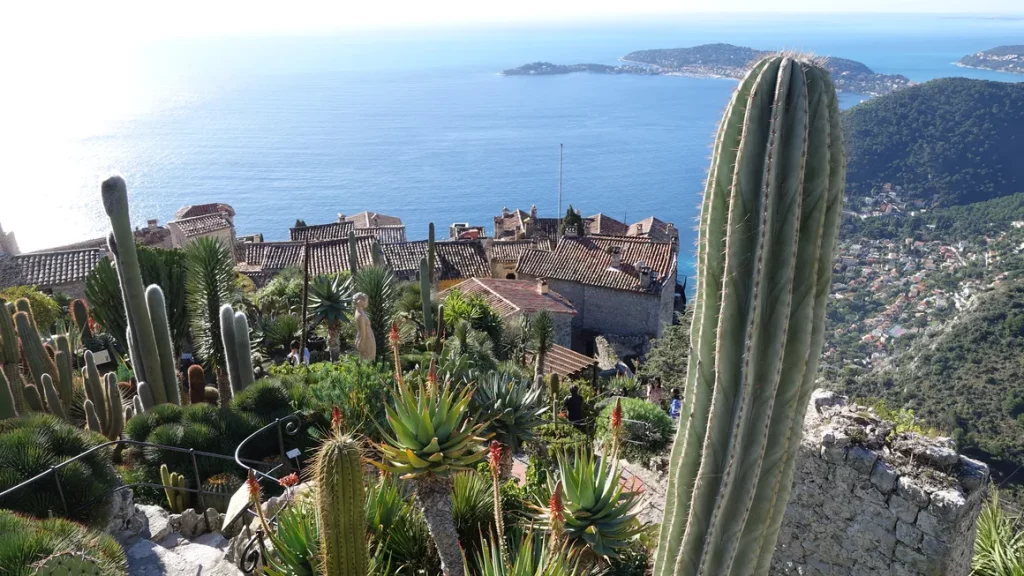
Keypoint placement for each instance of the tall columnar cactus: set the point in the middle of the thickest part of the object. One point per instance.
(340, 506)
(431, 258)
(234, 335)
(80, 314)
(10, 356)
(176, 499)
(146, 359)
(196, 384)
(103, 410)
(353, 255)
(52, 398)
(157, 308)
(8, 408)
(39, 362)
(768, 229)
(62, 359)
(243, 348)
(428, 320)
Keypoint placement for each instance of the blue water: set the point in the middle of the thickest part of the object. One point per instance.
(419, 125)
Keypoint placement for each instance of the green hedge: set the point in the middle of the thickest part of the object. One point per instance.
(646, 434)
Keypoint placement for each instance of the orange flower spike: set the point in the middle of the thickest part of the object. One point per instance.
(556, 507)
(289, 480)
(254, 488)
(432, 374)
(394, 337)
(617, 415)
(336, 419)
(494, 458)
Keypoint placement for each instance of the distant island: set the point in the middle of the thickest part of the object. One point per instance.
(1000, 58)
(718, 61)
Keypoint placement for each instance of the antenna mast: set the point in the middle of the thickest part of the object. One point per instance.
(559, 215)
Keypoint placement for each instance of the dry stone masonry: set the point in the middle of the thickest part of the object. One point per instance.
(868, 500)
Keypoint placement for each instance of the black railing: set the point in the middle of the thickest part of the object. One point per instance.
(255, 549)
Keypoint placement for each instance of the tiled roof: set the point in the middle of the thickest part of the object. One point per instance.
(601, 224)
(369, 219)
(566, 363)
(332, 231)
(652, 228)
(49, 268)
(199, 225)
(587, 260)
(509, 297)
(455, 259)
(204, 210)
(507, 226)
(510, 250)
(384, 234)
(262, 259)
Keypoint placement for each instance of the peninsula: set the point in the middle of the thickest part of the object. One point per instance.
(719, 61)
(1000, 59)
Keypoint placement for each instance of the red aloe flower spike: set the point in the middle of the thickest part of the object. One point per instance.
(289, 480)
(254, 488)
(432, 374)
(617, 415)
(336, 418)
(556, 508)
(394, 337)
(495, 456)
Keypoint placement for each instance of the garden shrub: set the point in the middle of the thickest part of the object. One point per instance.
(26, 541)
(265, 399)
(31, 445)
(646, 431)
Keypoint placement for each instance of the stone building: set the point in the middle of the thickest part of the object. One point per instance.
(518, 225)
(384, 233)
(368, 219)
(465, 231)
(605, 225)
(504, 255)
(455, 261)
(8, 243)
(261, 261)
(514, 298)
(62, 271)
(867, 500)
(619, 285)
(213, 220)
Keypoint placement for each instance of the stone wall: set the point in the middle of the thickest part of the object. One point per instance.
(607, 311)
(870, 501)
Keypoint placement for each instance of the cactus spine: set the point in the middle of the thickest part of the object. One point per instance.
(68, 564)
(340, 504)
(353, 255)
(428, 320)
(768, 228)
(103, 411)
(80, 314)
(176, 499)
(234, 336)
(147, 359)
(157, 307)
(196, 384)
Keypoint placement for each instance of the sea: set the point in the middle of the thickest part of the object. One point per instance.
(418, 123)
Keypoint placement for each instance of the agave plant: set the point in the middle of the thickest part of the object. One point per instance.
(999, 546)
(596, 515)
(512, 408)
(330, 302)
(398, 532)
(534, 554)
(433, 436)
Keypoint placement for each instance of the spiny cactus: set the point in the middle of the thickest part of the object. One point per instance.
(234, 333)
(428, 320)
(80, 314)
(52, 398)
(10, 356)
(143, 342)
(767, 234)
(157, 307)
(62, 359)
(69, 564)
(39, 362)
(218, 489)
(196, 384)
(7, 406)
(176, 499)
(431, 257)
(103, 410)
(340, 506)
(353, 255)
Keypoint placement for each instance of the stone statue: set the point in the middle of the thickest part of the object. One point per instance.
(365, 343)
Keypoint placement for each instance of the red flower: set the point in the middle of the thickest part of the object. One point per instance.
(254, 488)
(556, 508)
(495, 455)
(394, 337)
(336, 418)
(432, 373)
(617, 414)
(289, 480)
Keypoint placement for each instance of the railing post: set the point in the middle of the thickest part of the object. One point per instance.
(280, 446)
(60, 490)
(199, 481)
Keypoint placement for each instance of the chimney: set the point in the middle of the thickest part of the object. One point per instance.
(152, 223)
(542, 287)
(646, 276)
(533, 212)
(341, 217)
(505, 213)
(616, 254)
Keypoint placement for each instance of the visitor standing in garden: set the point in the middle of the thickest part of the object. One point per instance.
(677, 404)
(293, 356)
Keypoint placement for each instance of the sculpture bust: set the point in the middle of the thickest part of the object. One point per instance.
(365, 343)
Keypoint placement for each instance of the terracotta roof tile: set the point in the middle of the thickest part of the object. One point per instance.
(601, 224)
(204, 210)
(566, 363)
(653, 228)
(510, 250)
(262, 259)
(510, 297)
(332, 231)
(50, 268)
(199, 225)
(455, 259)
(588, 260)
(370, 219)
(384, 234)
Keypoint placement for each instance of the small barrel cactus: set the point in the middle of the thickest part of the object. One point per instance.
(176, 499)
(196, 384)
(218, 490)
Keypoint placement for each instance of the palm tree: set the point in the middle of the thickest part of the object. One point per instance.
(378, 283)
(330, 301)
(209, 285)
(543, 338)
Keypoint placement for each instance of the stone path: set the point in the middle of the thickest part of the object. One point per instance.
(167, 553)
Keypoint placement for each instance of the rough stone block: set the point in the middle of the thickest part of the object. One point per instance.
(912, 490)
(866, 491)
(904, 509)
(933, 547)
(158, 521)
(929, 524)
(973, 474)
(833, 454)
(884, 477)
(908, 534)
(861, 459)
(947, 505)
(913, 559)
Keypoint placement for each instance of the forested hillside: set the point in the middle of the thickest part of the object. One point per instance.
(946, 142)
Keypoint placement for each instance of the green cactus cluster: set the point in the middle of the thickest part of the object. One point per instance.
(104, 412)
(234, 333)
(767, 234)
(341, 506)
(80, 314)
(176, 499)
(428, 317)
(69, 564)
(149, 339)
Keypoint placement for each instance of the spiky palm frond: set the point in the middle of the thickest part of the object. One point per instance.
(512, 406)
(378, 283)
(209, 285)
(330, 300)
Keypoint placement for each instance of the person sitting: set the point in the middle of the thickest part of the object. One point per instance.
(293, 356)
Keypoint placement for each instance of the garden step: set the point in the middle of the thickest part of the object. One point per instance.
(203, 556)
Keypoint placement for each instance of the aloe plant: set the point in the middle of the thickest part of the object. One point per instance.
(512, 408)
(766, 239)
